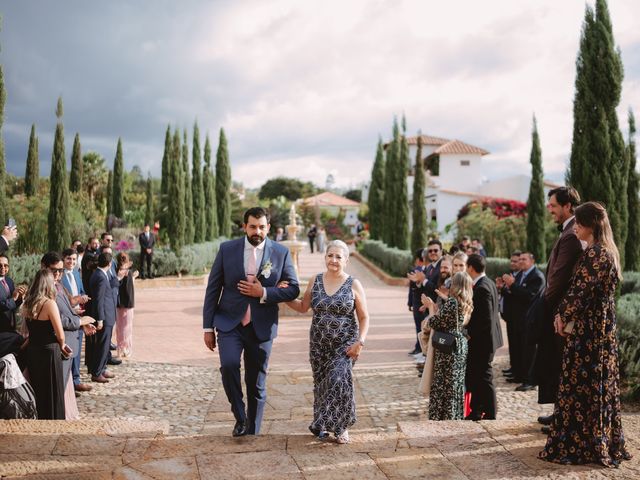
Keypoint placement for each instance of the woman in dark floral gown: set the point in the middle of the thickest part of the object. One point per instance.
(587, 425)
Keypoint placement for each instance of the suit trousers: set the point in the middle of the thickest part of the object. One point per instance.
(98, 352)
(479, 381)
(418, 318)
(75, 362)
(514, 349)
(148, 259)
(232, 345)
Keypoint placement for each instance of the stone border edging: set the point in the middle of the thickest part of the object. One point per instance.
(379, 273)
(173, 281)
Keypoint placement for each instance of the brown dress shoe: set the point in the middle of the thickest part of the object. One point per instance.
(99, 379)
(82, 387)
(108, 374)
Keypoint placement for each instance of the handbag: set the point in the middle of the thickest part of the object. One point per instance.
(443, 341)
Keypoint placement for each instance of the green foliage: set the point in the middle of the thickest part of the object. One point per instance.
(117, 203)
(22, 269)
(290, 188)
(148, 212)
(209, 187)
(192, 259)
(396, 204)
(110, 193)
(75, 175)
(598, 166)
(199, 225)
(3, 164)
(188, 193)
(223, 186)
(536, 210)
(394, 261)
(58, 225)
(163, 214)
(354, 194)
(376, 195)
(628, 318)
(32, 173)
(95, 178)
(176, 214)
(632, 247)
(419, 230)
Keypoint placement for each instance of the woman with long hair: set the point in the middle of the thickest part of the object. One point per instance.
(46, 346)
(587, 424)
(126, 302)
(446, 399)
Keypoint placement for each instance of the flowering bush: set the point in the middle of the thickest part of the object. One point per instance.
(501, 207)
(124, 245)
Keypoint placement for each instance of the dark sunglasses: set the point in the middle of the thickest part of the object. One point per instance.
(56, 270)
(433, 250)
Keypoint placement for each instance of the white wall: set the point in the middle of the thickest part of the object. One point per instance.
(448, 207)
(453, 176)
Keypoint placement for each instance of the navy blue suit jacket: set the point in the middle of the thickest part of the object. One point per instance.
(8, 308)
(224, 305)
(103, 304)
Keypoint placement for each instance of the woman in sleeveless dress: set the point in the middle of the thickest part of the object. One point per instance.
(338, 331)
(46, 346)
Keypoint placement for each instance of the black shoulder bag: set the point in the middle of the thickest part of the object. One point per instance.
(443, 341)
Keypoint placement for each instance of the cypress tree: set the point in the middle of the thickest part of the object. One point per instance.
(632, 247)
(188, 194)
(376, 195)
(598, 166)
(75, 175)
(390, 195)
(419, 231)
(402, 201)
(176, 213)
(536, 209)
(164, 179)
(58, 226)
(223, 186)
(3, 165)
(198, 193)
(109, 194)
(148, 212)
(118, 183)
(209, 187)
(32, 174)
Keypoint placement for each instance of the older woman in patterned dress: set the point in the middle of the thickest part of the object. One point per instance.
(587, 425)
(338, 331)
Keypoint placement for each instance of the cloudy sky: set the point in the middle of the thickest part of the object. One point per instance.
(302, 88)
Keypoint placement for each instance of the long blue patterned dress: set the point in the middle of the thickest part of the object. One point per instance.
(333, 330)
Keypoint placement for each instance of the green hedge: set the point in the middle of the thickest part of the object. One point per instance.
(192, 260)
(628, 317)
(392, 260)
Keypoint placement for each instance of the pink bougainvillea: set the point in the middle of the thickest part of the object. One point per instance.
(501, 207)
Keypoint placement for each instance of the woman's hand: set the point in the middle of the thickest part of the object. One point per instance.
(428, 303)
(353, 352)
(283, 284)
(443, 292)
(558, 324)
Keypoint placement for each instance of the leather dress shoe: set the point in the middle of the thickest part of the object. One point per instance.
(525, 387)
(546, 429)
(472, 417)
(77, 394)
(545, 420)
(112, 346)
(82, 387)
(99, 379)
(415, 351)
(514, 380)
(108, 374)
(240, 429)
(114, 361)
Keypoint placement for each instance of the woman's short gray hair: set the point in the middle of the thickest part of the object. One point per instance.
(339, 244)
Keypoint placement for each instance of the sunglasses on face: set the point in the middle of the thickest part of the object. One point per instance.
(433, 250)
(56, 270)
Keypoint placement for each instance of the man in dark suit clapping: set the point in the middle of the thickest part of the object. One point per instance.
(147, 241)
(10, 297)
(485, 337)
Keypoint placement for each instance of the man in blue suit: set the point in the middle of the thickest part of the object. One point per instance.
(241, 304)
(10, 297)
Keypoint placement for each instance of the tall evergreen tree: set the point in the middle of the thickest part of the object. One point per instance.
(198, 192)
(376, 195)
(110, 193)
(598, 166)
(223, 186)
(3, 165)
(164, 180)
(58, 225)
(390, 195)
(209, 187)
(419, 230)
(188, 194)
(75, 175)
(148, 212)
(32, 173)
(536, 209)
(402, 216)
(118, 183)
(632, 247)
(176, 213)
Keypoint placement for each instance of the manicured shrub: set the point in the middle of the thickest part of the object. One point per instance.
(392, 260)
(628, 317)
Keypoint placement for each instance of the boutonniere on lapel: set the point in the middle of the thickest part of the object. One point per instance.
(266, 269)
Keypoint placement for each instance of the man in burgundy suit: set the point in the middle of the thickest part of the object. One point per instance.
(563, 258)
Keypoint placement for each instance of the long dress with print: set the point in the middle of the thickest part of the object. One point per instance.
(333, 330)
(446, 400)
(587, 426)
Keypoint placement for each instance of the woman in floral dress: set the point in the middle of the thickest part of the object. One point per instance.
(587, 425)
(446, 399)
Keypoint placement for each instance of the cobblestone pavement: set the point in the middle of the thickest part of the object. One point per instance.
(165, 414)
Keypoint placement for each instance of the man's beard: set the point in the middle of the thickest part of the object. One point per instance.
(255, 240)
(444, 276)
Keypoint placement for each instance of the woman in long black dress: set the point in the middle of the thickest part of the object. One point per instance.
(336, 340)
(46, 346)
(587, 425)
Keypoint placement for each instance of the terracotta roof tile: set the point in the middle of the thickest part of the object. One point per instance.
(456, 146)
(330, 199)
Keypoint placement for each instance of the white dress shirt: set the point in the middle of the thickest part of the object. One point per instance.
(72, 282)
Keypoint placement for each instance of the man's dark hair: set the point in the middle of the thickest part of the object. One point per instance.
(435, 241)
(417, 255)
(147, 225)
(91, 239)
(565, 195)
(50, 258)
(454, 249)
(477, 262)
(256, 212)
(516, 253)
(67, 252)
(80, 249)
(104, 234)
(104, 259)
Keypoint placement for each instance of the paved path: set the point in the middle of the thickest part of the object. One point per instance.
(166, 415)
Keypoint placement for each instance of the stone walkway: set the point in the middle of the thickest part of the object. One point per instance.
(165, 415)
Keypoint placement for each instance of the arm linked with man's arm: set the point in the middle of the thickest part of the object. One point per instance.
(289, 293)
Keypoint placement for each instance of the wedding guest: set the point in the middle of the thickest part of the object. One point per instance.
(465, 242)
(147, 240)
(446, 399)
(9, 234)
(476, 243)
(46, 346)
(587, 423)
(311, 235)
(338, 330)
(321, 239)
(10, 297)
(89, 260)
(458, 263)
(413, 301)
(279, 234)
(507, 307)
(126, 303)
(80, 253)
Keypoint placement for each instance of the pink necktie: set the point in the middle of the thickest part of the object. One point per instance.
(6, 286)
(251, 270)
